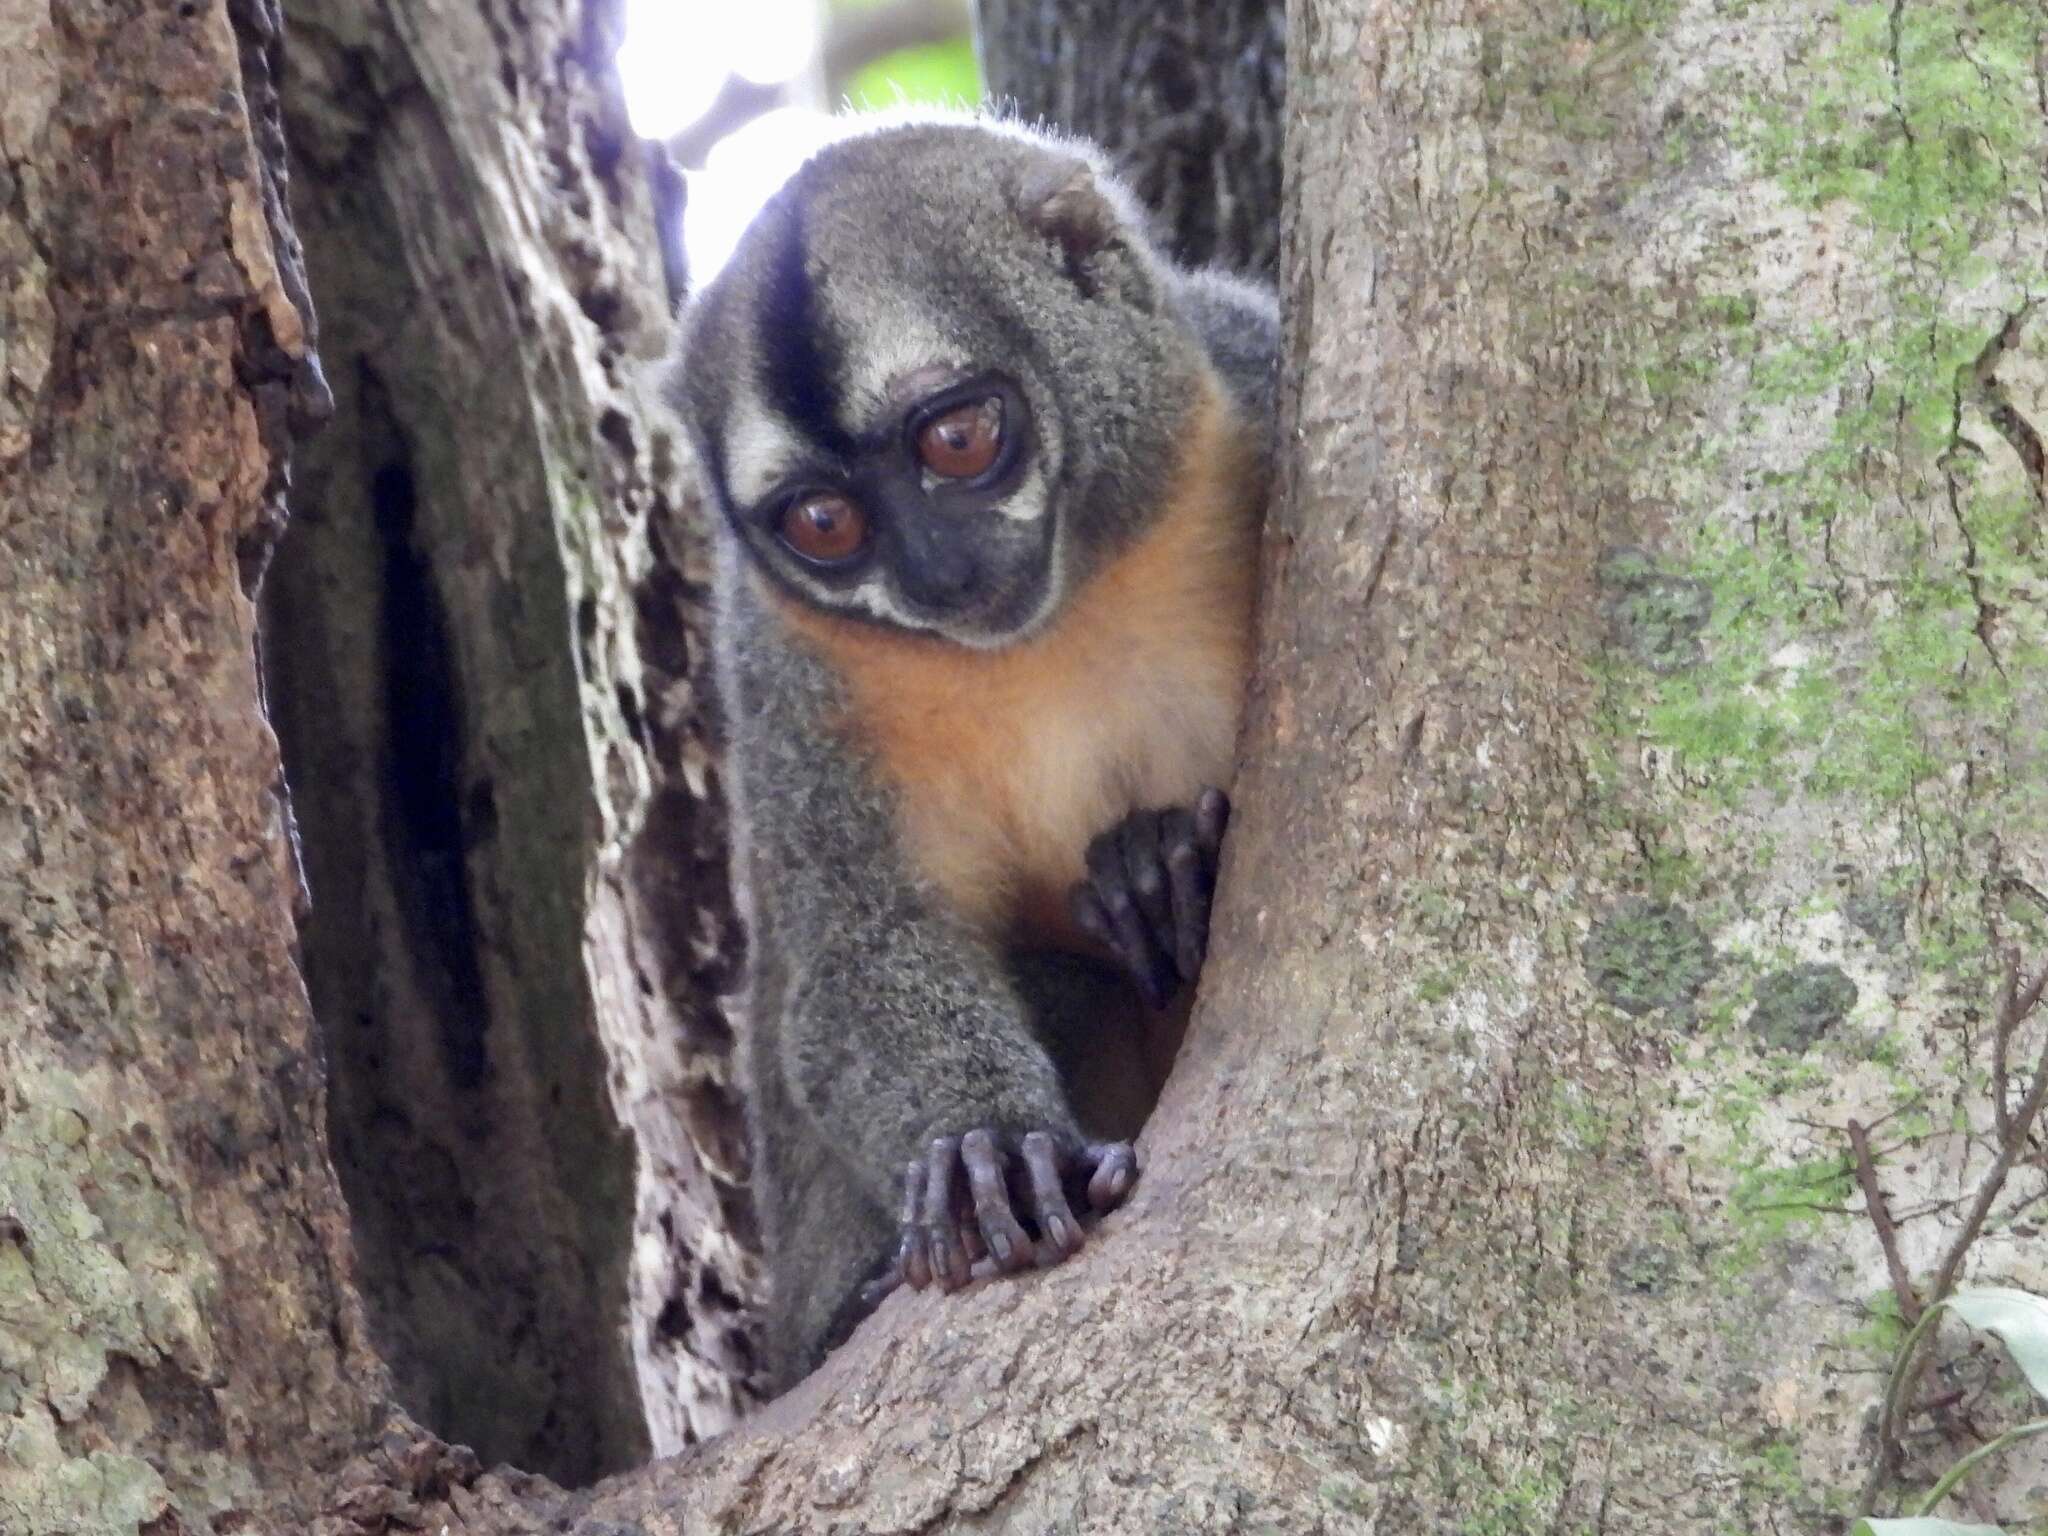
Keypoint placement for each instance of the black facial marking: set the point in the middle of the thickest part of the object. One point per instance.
(798, 359)
(712, 452)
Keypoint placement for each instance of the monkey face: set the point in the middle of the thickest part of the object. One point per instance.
(938, 381)
(934, 518)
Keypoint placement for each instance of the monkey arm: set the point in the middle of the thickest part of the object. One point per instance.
(896, 1035)
(896, 1031)
(907, 1046)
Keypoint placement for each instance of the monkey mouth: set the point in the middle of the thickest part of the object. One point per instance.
(1005, 612)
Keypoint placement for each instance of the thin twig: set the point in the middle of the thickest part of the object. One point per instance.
(1904, 1379)
(1879, 1210)
(2016, 1002)
(2012, 1141)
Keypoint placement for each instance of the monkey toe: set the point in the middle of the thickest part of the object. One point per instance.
(939, 1215)
(989, 1203)
(1059, 1231)
(1115, 1171)
(877, 1290)
(957, 1210)
(912, 1263)
(1001, 1234)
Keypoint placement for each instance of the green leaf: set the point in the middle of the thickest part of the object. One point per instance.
(2019, 1318)
(1921, 1525)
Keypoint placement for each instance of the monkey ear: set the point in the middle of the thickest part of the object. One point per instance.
(1059, 198)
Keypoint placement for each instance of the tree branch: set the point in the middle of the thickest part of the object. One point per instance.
(2016, 1002)
(1881, 1218)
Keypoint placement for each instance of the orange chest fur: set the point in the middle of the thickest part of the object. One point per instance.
(1005, 764)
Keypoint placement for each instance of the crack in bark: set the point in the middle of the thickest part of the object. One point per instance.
(1987, 612)
(2019, 433)
(1021, 1474)
(1977, 383)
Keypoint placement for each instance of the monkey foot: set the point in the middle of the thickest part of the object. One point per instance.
(990, 1195)
(1150, 880)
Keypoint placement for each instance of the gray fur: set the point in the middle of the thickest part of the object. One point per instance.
(876, 1021)
(1239, 323)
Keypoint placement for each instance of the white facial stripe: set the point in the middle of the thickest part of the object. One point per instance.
(759, 450)
(1055, 583)
(872, 598)
(902, 344)
(1028, 503)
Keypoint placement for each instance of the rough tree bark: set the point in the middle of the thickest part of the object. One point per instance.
(1644, 787)
(480, 648)
(178, 1334)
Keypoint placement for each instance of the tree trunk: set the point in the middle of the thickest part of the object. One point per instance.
(478, 638)
(1185, 98)
(1645, 747)
(178, 1334)
(1643, 794)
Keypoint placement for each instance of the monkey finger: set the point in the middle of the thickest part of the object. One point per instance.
(1212, 819)
(938, 1217)
(971, 1240)
(1093, 920)
(1116, 1170)
(1191, 891)
(911, 1262)
(987, 1179)
(1145, 877)
(1090, 918)
(1061, 1237)
(1108, 894)
(1133, 945)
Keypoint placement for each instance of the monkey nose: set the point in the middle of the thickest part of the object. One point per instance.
(940, 578)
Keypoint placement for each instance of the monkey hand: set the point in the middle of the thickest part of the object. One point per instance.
(1146, 897)
(991, 1195)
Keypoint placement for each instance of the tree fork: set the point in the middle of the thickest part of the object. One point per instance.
(1619, 784)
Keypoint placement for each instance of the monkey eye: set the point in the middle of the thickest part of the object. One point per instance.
(963, 442)
(824, 528)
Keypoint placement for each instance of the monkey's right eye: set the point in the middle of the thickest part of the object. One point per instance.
(824, 528)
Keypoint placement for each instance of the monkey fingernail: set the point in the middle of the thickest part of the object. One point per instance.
(917, 1273)
(947, 1268)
